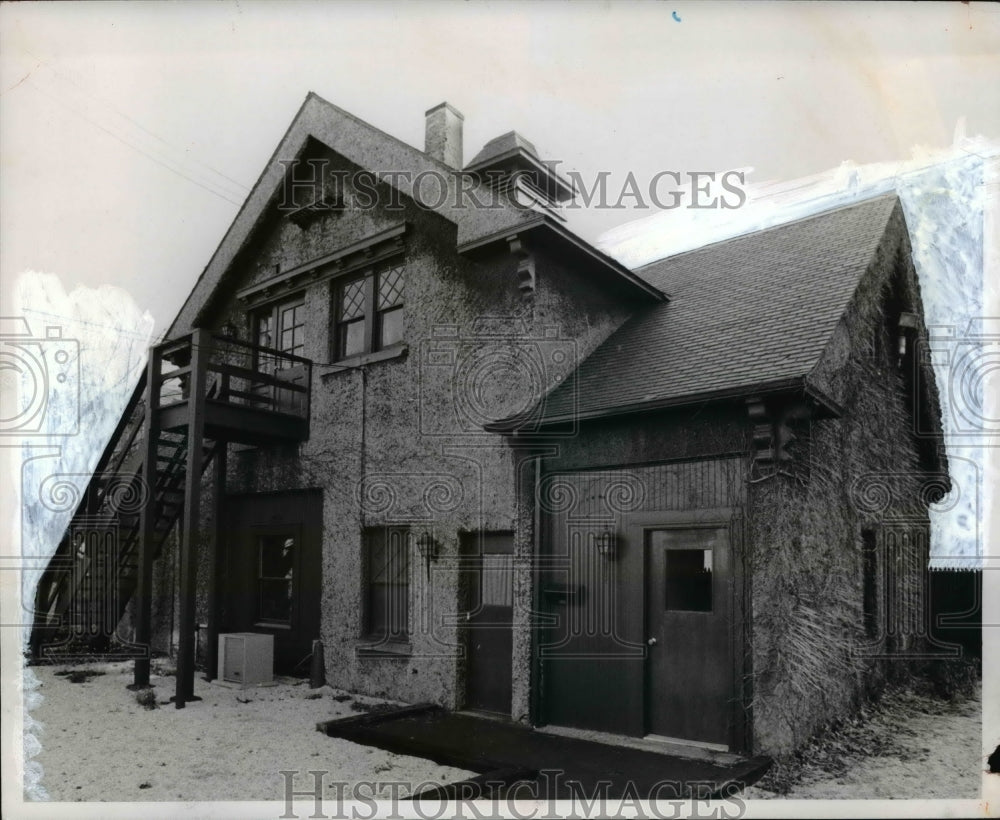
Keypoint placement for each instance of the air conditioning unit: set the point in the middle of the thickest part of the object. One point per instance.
(246, 658)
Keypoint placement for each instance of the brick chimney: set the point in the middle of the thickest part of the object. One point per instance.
(443, 139)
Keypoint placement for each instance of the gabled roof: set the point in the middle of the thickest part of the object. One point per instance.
(747, 314)
(372, 149)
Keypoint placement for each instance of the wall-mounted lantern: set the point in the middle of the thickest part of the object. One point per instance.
(908, 326)
(229, 329)
(428, 547)
(607, 545)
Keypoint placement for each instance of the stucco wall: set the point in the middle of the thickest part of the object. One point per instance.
(812, 658)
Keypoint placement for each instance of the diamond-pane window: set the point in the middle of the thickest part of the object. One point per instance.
(390, 288)
(369, 312)
(353, 300)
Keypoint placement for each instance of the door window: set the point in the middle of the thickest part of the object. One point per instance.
(689, 580)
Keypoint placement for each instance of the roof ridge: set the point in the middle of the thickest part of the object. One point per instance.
(779, 226)
(355, 118)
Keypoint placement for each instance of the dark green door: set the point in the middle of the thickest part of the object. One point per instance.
(689, 685)
(489, 620)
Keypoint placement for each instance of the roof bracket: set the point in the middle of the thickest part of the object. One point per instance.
(525, 266)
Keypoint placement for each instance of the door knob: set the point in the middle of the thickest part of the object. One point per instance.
(651, 642)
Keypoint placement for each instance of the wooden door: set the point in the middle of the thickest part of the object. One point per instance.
(689, 668)
(272, 578)
(489, 618)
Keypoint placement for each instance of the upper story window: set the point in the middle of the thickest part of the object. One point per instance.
(282, 326)
(368, 311)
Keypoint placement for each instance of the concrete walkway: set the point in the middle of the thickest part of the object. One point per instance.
(515, 760)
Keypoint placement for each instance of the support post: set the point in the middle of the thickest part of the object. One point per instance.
(218, 554)
(147, 524)
(192, 512)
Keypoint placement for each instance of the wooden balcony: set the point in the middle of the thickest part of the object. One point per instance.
(244, 393)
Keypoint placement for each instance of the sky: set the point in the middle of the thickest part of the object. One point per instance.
(131, 132)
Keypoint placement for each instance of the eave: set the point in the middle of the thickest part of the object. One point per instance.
(545, 228)
(824, 406)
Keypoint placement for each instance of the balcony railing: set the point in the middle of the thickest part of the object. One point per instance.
(236, 375)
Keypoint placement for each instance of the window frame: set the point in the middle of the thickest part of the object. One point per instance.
(291, 577)
(370, 630)
(373, 316)
(870, 575)
(273, 312)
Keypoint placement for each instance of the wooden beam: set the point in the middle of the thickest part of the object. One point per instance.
(218, 547)
(200, 340)
(147, 525)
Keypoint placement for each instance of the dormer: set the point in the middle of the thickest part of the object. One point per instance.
(511, 160)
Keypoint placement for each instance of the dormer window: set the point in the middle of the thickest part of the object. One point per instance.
(369, 312)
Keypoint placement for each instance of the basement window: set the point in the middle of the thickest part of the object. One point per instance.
(368, 312)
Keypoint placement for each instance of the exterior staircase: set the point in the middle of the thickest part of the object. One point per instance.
(198, 388)
(93, 575)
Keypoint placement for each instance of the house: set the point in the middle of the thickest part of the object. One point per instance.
(405, 411)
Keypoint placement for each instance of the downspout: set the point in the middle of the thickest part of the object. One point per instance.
(535, 682)
(364, 387)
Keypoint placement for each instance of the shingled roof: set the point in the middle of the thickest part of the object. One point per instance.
(745, 314)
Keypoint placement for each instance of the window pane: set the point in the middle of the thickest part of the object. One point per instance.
(352, 301)
(276, 556)
(689, 580)
(498, 580)
(390, 288)
(391, 327)
(264, 330)
(352, 338)
(276, 601)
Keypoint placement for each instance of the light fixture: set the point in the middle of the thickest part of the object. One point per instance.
(428, 548)
(607, 545)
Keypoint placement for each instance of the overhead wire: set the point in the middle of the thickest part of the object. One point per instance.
(66, 101)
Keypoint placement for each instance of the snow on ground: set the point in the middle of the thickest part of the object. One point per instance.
(99, 743)
(908, 745)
